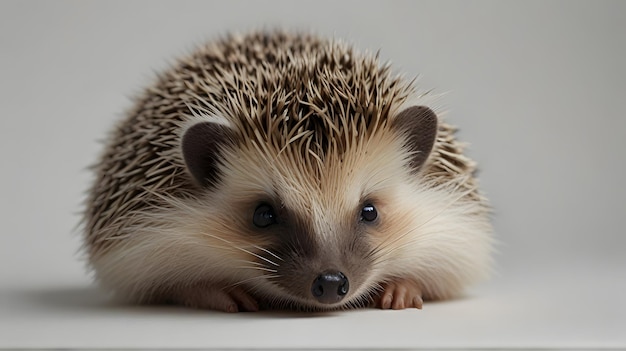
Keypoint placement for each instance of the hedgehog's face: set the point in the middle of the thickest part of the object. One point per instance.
(309, 231)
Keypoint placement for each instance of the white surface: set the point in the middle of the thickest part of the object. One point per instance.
(537, 87)
(561, 306)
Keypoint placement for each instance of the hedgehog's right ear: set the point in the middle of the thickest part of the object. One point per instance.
(419, 126)
(202, 144)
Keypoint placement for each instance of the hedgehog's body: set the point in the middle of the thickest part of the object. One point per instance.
(286, 170)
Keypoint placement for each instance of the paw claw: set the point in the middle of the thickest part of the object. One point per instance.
(386, 302)
(232, 308)
(398, 304)
(418, 302)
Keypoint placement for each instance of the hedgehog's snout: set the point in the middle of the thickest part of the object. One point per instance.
(330, 287)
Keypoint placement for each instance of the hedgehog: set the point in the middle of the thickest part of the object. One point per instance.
(280, 170)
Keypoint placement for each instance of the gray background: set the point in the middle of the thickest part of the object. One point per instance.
(537, 88)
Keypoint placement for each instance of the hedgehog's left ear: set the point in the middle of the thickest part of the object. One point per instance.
(419, 125)
(202, 145)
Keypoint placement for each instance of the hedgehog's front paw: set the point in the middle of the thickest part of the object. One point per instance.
(399, 294)
(227, 300)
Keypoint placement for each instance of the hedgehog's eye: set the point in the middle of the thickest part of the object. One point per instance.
(369, 213)
(264, 216)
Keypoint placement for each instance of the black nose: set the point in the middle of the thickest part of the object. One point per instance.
(330, 287)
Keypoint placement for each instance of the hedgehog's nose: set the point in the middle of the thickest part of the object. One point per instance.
(330, 287)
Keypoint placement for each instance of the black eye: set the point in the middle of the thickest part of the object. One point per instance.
(369, 213)
(264, 216)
